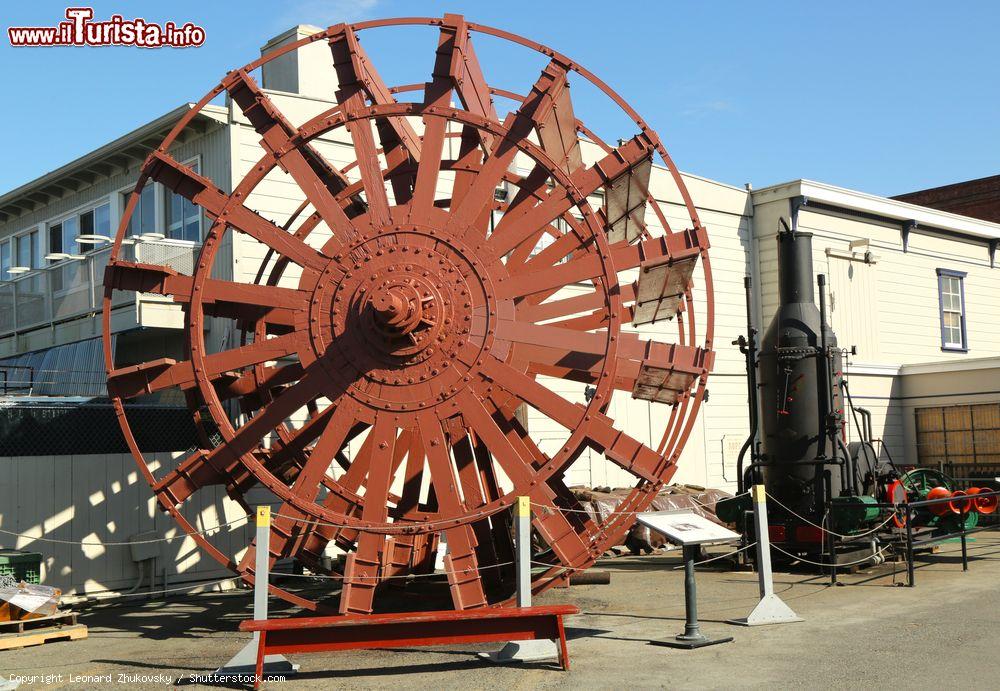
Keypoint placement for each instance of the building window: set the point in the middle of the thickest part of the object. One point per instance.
(97, 221)
(960, 440)
(183, 218)
(62, 236)
(4, 260)
(27, 250)
(951, 295)
(143, 218)
(164, 213)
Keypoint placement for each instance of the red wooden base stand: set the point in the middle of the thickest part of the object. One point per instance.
(410, 629)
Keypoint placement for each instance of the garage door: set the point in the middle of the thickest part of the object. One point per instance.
(961, 440)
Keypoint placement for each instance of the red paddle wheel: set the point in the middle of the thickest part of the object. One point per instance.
(421, 303)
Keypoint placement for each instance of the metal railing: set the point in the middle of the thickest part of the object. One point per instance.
(74, 288)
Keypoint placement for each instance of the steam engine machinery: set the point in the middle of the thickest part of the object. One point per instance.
(825, 496)
(446, 267)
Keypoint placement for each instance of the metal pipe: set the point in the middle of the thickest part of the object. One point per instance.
(826, 396)
(851, 466)
(965, 553)
(909, 546)
(795, 277)
(750, 351)
(691, 627)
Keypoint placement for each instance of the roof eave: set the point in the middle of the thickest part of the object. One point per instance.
(884, 207)
(96, 156)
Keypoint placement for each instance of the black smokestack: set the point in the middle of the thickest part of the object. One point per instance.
(801, 466)
(795, 267)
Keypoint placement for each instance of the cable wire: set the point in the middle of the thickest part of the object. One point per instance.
(637, 513)
(190, 586)
(878, 553)
(828, 531)
(331, 577)
(124, 544)
(450, 522)
(720, 556)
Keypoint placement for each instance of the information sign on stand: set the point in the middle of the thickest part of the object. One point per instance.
(689, 530)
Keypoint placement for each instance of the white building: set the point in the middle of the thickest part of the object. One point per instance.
(914, 289)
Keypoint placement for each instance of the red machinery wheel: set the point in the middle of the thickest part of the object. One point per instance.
(408, 311)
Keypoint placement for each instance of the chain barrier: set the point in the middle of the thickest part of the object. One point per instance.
(449, 522)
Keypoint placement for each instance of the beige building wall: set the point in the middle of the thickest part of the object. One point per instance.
(101, 499)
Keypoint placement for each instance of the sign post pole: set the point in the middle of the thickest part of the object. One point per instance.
(692, 636)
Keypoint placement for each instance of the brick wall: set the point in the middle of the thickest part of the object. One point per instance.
(976, 198)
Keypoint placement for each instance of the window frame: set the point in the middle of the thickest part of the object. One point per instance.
(12, 241)
(195, 164)
(943, 274)
(77, 213)
(125, 193)
(161, 199)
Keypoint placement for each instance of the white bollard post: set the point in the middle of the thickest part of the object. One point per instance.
(262, 566)
(244, 663)
(771, 609)
(523, 547)
(531, 650)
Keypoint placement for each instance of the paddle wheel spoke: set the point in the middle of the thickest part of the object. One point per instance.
(557, 530)
(638, 361)
(157, 375)
(199, 190)
(363, 567)
(206, 466)
(371, 172)
(314, 175)
(252, 386)
(473, 496)
(529, 194)
(563, 307)
(461, 563)
(465, 70)
(518, 126)
(584, 182)
(466, 168)
(357, 76)
(412, 553)
(333, 427)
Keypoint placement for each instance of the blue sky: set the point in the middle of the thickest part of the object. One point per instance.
(883, 97)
